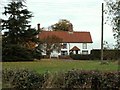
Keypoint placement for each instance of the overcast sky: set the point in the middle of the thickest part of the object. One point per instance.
(85, 15)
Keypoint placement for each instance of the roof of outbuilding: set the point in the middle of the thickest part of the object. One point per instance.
(74, 48)
(68, 37)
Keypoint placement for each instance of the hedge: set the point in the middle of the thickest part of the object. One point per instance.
(80, 56)
(107, 54)
(19, 79)
(95, 80)
(96, 55)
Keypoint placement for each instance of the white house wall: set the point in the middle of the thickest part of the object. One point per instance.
(70, 46)
(79, 45)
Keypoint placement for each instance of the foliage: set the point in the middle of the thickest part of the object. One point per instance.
(16, 53)
(94, 80)
(62, 25)
(18, 34)
(16, 24)
(113, 11)
(96, 54)
(20, 79)
(106, 45)
(50, 44)
(80, 56)
(37, 52)
(86, 80)
(107, 54)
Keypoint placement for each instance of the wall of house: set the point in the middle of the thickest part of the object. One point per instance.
(69, 46)
(79, 45)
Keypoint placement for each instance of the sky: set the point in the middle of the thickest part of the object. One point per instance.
(85, 15)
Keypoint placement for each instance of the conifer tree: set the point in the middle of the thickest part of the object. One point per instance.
(18, 35)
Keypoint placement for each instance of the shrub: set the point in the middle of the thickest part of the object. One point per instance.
(96, 54)
(107, 54)
(87, 79)
(20, 79)
(71, 79)
(80, 57)
(110, 80)
(16, 53)
(36, 54)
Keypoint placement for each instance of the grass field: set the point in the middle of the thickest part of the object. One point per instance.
(61, 65)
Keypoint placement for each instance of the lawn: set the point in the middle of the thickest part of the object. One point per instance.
(62, 65)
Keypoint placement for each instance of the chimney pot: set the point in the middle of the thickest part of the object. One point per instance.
(38, 26)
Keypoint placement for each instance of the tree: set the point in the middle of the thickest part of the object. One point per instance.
(62, 25)
(50, 44)
(16, 28)
(113, 11)
(106, 45)
(18, 34)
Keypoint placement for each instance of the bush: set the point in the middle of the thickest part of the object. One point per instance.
(80, 57)
(107, 54)
(87, 79)
(20, 79)
(96, 54)
(36, 54)
(71, 79)
(16, 53)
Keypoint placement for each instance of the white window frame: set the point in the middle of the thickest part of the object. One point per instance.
(84, 45)
(65, 53)
(84, 52)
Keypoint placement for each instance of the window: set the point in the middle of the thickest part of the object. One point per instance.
(64, 45)
(85, 52)
(84, 45)
(64, 53)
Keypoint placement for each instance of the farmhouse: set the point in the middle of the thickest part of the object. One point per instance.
(72, 42)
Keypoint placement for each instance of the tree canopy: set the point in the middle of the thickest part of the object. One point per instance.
(113, 11)
(62, 25)
(16, 27)
(18, 34)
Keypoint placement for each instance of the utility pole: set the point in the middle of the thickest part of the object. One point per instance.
(102, 26)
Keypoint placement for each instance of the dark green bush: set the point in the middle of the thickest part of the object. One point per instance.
(87, 79)
(107, 54)
(110, 81)
(20, 79)
(94, 80)
(36, 54)
(96, 54)
(16, 53)
(80, 57)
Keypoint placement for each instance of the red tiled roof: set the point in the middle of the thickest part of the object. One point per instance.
(74, 48)
(68, 37)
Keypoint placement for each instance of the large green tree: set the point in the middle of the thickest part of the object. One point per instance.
(113, 11)
(18, 35)
(16, 27)
(62, 25)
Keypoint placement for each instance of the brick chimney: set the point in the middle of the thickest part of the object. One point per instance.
(38, 26)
